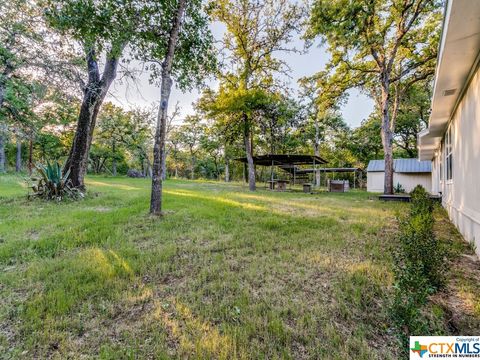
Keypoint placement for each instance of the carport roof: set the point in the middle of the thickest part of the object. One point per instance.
(285, 159)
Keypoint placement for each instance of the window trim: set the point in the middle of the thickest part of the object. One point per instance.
(440, 164)
(448, 156)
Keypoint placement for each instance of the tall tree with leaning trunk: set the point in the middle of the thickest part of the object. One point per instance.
(178, 46)
(381, 47)
(94, 93)
(102, 29)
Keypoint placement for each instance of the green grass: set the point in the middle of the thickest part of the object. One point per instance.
(224, 274)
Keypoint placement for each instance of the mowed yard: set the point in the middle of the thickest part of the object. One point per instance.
(224, 274)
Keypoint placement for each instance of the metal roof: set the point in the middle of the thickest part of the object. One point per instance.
(329, 170)
(401, 166)
(285, 159)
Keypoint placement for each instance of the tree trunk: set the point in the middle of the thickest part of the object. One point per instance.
(18, 160)
(316, 149)
(114, 160)
(4, 77)
(166, 87)
(2, 150)
(192, 168)
(249, 150)
(217, 173)
(164, 163)
(93, 96)
(30, 156)
(158, 148)
(387, 137)
(227, 170)
(148, 168)
(2, 94)
(78, 157)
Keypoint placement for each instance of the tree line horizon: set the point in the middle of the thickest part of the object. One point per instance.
(59, 58)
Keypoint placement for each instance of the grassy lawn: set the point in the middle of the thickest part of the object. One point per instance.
(225, 274)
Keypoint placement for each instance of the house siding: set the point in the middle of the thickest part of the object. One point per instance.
(375, 181)
(461, 195)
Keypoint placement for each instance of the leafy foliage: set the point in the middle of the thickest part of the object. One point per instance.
(53, 184)
(399, 189)
(421, 202)
(380, 47)
(418, 267)
(194, 58)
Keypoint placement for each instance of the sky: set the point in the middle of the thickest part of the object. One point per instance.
(142, 93)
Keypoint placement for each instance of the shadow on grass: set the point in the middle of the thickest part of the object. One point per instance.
(236, 276)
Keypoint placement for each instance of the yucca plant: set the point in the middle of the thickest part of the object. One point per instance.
(53, 183)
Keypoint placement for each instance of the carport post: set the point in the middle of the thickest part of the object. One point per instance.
(314, 173)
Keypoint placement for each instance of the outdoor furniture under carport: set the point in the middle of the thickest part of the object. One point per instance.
(307, 188)
(271, 184)
(338, 186)
(282, 185)
(334, 171)
(290, 165)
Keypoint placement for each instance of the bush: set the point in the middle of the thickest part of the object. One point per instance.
(421, 202)
(53, 184)
(133, 173)
(420, 249)
(398, 189)
(418, 270)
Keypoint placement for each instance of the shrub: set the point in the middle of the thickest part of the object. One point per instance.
(421, 202)
(399, 189)
(420, 249)
(53, 184)
(133, 173)
(418, 270)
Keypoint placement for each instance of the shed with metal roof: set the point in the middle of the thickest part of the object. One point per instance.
(407, 173)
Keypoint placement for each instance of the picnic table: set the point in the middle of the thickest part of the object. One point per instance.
(282, 185)
(271, 184)
(277, 184)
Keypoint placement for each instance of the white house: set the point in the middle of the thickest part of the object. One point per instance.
(406, 172)
(452, 139)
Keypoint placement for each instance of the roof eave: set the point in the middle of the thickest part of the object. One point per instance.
(457, 61)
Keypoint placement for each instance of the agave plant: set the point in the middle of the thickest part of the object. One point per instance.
(53, 183)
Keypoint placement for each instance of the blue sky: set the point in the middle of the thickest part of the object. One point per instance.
(142, 93)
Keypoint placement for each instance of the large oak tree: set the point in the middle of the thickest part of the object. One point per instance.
(102, 29)
(256, 32)
(381, 47)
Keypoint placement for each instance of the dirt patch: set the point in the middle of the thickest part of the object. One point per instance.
(460, 300)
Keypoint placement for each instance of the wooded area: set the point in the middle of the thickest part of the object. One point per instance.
(59, 58)
(237, 228)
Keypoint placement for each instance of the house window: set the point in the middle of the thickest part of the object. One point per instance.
(448, 155)
(440, 162)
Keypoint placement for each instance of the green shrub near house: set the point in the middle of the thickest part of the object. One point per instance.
(418, 267)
